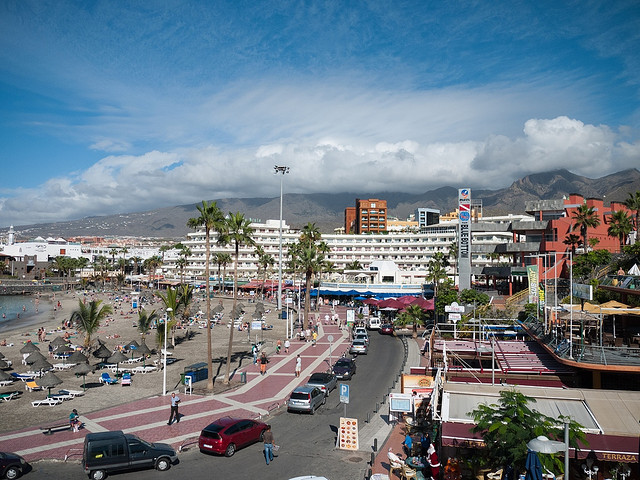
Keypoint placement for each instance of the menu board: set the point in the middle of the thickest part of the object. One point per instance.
(348, 434)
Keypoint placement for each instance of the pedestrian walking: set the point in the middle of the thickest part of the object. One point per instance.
(254, 351)
(278, 346)
(298, 365)
(287, 344)
(263, 363)
(175, 400)
(268, 444)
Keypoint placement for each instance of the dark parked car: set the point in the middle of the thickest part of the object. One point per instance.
(227, 434)
(106, 452)
(344, 368)
(11, 465)
(306, 399)
(386, 329)
(324, 381)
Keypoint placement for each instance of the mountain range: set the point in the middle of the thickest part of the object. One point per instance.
(327, 210)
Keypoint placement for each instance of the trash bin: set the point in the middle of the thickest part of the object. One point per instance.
(243, 377)
(283, 315)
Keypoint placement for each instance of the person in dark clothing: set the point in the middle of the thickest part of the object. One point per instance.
(268, 444)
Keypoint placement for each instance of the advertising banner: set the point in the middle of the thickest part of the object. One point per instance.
(532, 275)
(348, 434)
(464, 238)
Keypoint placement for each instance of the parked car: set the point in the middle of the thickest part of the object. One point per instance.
(306, 399)
(374, 323)
(360, 336)
(11, 465)
(358, 331)
(228, 434)
(345, 368)
(106, 452)
(358, 347)
(324, 381)
(386, 329)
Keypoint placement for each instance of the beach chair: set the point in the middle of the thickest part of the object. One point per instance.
(4, 383)
(106, 378)
(22, 376)
(9, 396)
(47, 401)
(73, 393)
(32, 386)
(395, 464)
(126, 379)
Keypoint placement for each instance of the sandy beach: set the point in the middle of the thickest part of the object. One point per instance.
(119, 329)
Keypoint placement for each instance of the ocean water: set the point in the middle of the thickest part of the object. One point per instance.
(26, 306)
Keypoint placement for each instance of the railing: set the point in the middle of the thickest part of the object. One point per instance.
(517, 298)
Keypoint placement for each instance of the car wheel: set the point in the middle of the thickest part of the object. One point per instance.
(12, 472)
(231, 449)
(324, 400)
(98, 475)
(163, 464)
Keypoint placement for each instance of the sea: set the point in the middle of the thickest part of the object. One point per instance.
(21, 311)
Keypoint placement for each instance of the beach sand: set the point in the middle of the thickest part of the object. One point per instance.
(119, 329)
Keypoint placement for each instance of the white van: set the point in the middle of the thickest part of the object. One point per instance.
(374, 323)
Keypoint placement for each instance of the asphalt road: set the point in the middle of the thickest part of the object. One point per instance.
(307, 441)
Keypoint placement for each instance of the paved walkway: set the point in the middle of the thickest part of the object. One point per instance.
(148, 416)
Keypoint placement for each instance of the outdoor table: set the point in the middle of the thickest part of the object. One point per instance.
(415, 462)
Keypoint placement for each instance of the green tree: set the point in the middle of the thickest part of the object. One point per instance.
(309, 259)
(620, 226)
(236, 231)
(87, 318)
(145, 320)
(470, 296)
(572, 241)
(508, 426)
(211, 218)
(584, 218)
(413, 315)
(447, 294)
(171, 299)
(633, 203)
(355, 265)
(151, 265)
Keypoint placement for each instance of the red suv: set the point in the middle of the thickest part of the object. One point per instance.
(227, 434)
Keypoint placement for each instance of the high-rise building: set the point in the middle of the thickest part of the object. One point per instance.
(368, 216)
(427, 216)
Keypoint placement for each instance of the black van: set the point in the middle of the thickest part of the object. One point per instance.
(113, 451)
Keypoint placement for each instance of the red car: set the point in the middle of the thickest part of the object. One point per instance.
(386, 329)
(227, 434)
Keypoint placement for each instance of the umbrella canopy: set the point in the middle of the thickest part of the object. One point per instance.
(391, 303)
(4, 376)
(77, 357)
(82, 369)
(218, 308)
(3, 364)
(48, 381)
(58, 342)
(41, 365)
(143, 349)
(117, 357)
(533, 466)
(29, 347)
(240, 305)
(132, 344)
(102, 352)
(634, 270)
(256, 315)
(236, 312)
(260, 307)
(2, 355)
(424, 303)
(34, 357)
(63, 349)
(370, 301)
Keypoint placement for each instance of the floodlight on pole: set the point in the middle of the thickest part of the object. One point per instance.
(283, 170)
(164, 359)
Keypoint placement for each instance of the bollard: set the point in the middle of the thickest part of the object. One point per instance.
(377, 407)
(373, 458)
(368, 474)
(375, 444)
(368, 417)
(384, 399)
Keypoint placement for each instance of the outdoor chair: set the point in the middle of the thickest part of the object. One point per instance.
(409, 473)
(32, 386)
(73, 393)
(47, 401)
(126, 379)
(106, 378)
(395, 464)
(8, 396)
(4, 383)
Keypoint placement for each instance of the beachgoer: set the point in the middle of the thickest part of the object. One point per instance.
(254, 352)
(74, 420)
(298, 365)
(287, 344)
(268, 444)
(263, 363)
(278, 345)
(175, 400)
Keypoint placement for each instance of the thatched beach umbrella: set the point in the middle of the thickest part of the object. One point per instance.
(63, 350)
(77, 357)
(218, 308)
(34, 357)
(29, 347)
(144, 351)
(102, 353)
(2, 355)
(82, 368)
(4, 376)
(256, 315)
(48, 380)
(133, 346)
(117, 358)
(59, 342)
(3, 364)
(40, 365)
(260, 307)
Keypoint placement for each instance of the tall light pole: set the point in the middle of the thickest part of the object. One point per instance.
(283, 170)
(164, 357)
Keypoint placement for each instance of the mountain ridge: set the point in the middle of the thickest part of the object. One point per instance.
(327, 210)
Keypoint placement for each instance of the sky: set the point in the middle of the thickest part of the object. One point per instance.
(125, 106)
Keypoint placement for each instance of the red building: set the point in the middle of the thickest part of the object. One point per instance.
(368, 216)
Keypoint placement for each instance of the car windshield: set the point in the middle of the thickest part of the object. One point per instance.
(343, 363)
(319, 377)
(358, 341)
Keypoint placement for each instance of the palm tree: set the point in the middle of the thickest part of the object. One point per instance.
(151, 264)
(620, 226)
(585, 217)
(355, 265)
(145, 321)
(183, 261)
(310, 261)
(211, 218)
(186, 297)
(412, 315)
(222, 259)
(136, 262)
(633, 204)
(236, 231)
(264, 262)
(453, 255)
(171, 300)
(572, 241)
(88, 317)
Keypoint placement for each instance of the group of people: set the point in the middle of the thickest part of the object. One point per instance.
(428, 453)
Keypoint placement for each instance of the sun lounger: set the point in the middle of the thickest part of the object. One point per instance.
(9, 396)
(4, 383)
(147, 369)
(134, 360)
(75, 393)
(47, 401)
(61, 396)
(22, 376)
(105, 378)
(126, 379)
(32, 386)
(63, 366)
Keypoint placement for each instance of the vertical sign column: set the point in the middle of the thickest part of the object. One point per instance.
(464, 238)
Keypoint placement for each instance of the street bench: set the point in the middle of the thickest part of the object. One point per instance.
(48, 430)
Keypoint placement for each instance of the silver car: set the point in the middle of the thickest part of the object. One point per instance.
(359, 347)
(324, 381)
(306, 399)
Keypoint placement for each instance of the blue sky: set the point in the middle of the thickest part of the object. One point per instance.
(118, 106)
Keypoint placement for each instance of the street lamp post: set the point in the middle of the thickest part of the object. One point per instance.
(283, 170)
(164, 352)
